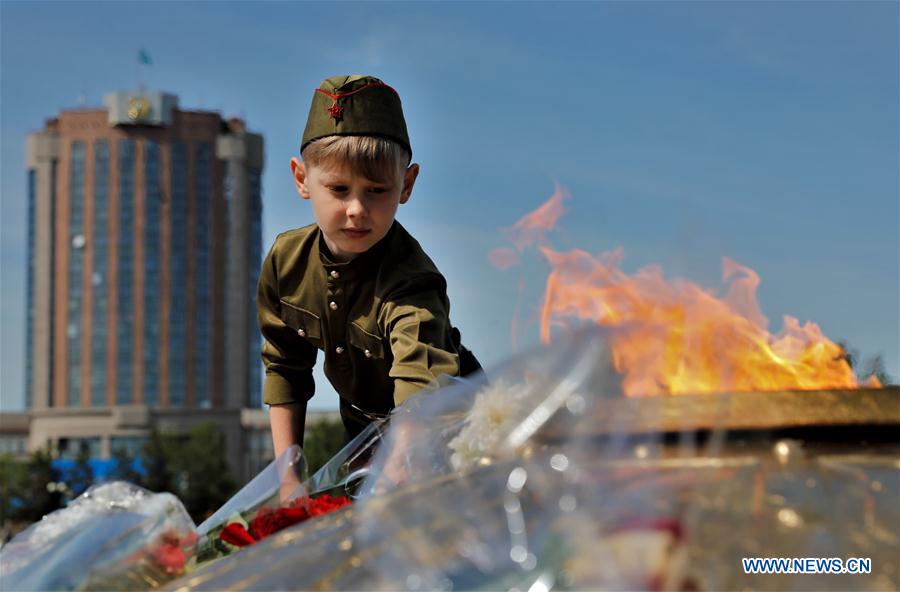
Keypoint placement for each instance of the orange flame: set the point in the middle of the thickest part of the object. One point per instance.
(674, 337)
(525, 232)
(531, 227)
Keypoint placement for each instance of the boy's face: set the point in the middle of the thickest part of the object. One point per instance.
(352, 211)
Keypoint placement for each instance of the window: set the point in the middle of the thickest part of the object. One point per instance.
(203, 177)
(70, 448)
(125, 263)
(29, 287)
(133, 446)
(13, 445)
(151, 273)
(76, 270)
(99, 273)
(178, 268)
(255, 256)
(51, 376)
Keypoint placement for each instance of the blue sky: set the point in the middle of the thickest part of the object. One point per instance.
(685, 132)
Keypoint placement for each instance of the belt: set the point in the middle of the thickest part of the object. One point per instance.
(370, 415)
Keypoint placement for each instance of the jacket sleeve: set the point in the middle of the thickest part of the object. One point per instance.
(288, 358)
(416, 319)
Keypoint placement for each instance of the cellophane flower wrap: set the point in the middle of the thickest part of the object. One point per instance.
(280, 496)
(115, 536)
(473, 421)
(351, 466)
(281, 479)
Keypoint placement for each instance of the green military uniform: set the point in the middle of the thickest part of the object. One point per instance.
(382, 320)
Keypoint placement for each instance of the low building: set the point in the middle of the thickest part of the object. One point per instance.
(104, 431)
(14, 429)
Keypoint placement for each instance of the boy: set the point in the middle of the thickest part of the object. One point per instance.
(355, 284)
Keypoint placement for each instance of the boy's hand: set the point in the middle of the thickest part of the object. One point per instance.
(287, 423)
(396, 467)
(290, 486)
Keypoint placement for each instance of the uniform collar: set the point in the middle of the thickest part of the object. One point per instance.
(360, 265)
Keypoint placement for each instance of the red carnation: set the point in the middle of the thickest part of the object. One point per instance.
(269, 521)
(235, 534)
(169, 556)
(326, 503)
(189, 539)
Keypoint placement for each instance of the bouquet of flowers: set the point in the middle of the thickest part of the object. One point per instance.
(240, 532)
(115, 536)
(274, 500)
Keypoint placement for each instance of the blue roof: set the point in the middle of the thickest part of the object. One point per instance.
(102, 467)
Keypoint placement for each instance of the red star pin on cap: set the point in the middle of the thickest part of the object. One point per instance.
(335, 111)
(355, 105)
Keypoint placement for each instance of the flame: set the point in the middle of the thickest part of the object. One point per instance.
(532, 227)
(526, 231)
(675, 337)
(503, 258)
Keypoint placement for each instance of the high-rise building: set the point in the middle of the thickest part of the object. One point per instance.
(144, 230)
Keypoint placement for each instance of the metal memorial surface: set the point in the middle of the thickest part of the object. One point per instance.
(548, 478)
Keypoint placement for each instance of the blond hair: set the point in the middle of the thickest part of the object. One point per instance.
(373, 157)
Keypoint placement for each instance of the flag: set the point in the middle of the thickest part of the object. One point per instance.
(144, 57)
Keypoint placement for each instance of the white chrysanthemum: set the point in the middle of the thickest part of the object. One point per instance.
(496, 411)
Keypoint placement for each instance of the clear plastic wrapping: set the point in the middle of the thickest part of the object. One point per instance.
(345, 471)
(282, 478)
(115, 536)
(476, 422)
(274, 486)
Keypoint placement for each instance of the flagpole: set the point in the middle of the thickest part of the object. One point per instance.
(143, 60)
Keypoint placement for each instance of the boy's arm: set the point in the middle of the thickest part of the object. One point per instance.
(417, 321)
(288, 358)
(287, 422)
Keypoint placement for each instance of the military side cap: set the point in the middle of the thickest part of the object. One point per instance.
(355, 106)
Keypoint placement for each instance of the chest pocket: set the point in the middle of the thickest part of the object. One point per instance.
(305, 323)
(369, 345)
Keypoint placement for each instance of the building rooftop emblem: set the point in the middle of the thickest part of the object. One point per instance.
(138, 108)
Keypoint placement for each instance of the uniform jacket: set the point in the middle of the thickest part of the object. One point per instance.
(381, 319)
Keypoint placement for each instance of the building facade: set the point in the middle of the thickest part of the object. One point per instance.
(144, 246)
